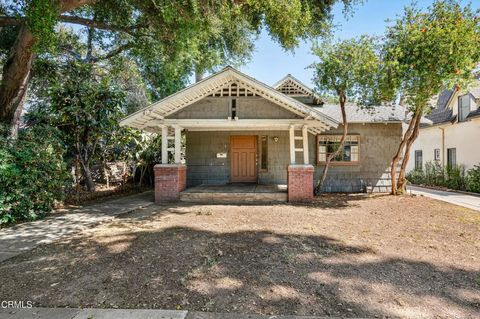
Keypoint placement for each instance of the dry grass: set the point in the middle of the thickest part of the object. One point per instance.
(344, 255)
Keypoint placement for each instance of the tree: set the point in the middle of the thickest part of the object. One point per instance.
(147, 29)
(348, 70)
(426, 52)
(86, 106)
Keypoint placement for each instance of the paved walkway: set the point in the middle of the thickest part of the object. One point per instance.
(23, 237)
(465, 200)
(71, 313)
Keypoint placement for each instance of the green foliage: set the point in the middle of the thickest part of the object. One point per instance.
(348, 68)
(454, 177)
(32, 174)
(428, 51)
(42, 17)
(473, 179)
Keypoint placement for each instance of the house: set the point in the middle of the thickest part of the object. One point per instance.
(240, 130)
(452, 139)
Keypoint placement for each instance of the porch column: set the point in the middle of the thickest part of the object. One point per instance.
(164, 145)
(292, 144)
(305, 144)
(178, 142)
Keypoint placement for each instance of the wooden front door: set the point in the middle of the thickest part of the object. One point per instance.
(243, 164)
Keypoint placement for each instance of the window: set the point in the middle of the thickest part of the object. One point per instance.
(463, 107)
(234, 109)
(264, 153)
(451, 157)
(418, 160)
(328, 144)
(436, 154)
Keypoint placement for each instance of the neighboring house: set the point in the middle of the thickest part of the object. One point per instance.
(238, 129)
(453, 137)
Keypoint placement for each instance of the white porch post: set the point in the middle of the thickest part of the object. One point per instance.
(292, 144)
(164, 145)
(178, 142)
(305, 144)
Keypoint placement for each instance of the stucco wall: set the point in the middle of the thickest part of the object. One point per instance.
(248, 107)
(377, 146)
(463, 136)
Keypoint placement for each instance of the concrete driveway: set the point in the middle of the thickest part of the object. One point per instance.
(461, 199)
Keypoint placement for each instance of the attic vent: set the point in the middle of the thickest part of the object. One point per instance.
(293, 89)
(234, 89)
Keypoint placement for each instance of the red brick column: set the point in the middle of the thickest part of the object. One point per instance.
(300, 183)
(170, 180)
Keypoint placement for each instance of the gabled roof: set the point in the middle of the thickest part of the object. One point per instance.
(292, 86)
(442, 113)
(213, 83)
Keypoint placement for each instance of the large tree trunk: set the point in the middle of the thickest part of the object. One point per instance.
(407, 140)
(16, 73)
(318, 187)
(398, 155)
(17, 68)
(402, 182)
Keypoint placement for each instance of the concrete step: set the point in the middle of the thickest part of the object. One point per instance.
(233, 198)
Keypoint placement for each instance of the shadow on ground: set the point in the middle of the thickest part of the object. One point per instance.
(249, 272)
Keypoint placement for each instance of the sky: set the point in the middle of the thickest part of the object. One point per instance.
(270, 62)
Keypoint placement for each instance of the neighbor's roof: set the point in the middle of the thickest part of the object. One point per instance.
(373, 114)
(441, 113)
(144, 118)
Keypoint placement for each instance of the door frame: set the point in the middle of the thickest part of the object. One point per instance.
(255, 137)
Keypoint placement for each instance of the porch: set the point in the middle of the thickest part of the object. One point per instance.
(235, 193)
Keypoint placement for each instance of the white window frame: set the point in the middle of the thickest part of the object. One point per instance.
(322, 154)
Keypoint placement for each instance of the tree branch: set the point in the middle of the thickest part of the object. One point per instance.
(10, 21)
(112, 53)
(13, 21)
(99, 24)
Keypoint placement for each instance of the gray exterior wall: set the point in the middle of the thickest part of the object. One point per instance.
(378, 143)
(248, 107)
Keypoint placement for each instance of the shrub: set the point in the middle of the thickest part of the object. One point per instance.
(416, 177)
(455, 177)
(473, 179)
(434, 174)
(32, 174)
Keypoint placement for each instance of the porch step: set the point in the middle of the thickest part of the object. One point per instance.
(233, 198)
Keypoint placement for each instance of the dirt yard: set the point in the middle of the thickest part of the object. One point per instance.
(351, 256)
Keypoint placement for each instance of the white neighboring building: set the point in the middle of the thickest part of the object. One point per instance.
(454, 136)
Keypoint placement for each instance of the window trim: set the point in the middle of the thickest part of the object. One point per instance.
(333, 162)
(260, 153)
(449, 157)
(435, 157)
(459, 108)
(415, 160)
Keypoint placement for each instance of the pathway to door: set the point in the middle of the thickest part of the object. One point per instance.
(461, 199)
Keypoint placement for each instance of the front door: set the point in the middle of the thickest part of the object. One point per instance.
(243, 165)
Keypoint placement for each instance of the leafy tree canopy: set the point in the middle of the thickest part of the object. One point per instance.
(348, 69)
(430, 50)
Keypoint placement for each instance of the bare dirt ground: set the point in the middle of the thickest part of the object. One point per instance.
(352, 256)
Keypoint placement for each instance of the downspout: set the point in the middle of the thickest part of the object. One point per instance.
(443, 145)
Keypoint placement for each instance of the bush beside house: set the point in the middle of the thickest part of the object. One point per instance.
(454, 177)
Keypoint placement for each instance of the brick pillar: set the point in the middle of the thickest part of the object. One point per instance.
(300, 183)
(170, 180)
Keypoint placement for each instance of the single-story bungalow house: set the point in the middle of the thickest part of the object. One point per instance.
(236, 129)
